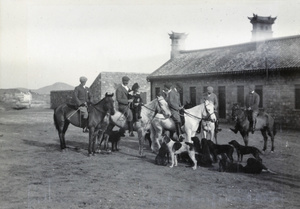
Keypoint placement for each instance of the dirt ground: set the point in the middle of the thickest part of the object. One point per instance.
(35, 173)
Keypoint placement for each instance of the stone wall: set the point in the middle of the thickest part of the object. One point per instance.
(60, 97)
(278, 92)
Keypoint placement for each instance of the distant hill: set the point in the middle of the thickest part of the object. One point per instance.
(54, 87)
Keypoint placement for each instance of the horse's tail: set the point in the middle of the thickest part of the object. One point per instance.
(55, 121)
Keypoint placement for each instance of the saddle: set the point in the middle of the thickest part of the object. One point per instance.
(72, 106)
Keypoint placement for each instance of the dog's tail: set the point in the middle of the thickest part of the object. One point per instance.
(269, 171)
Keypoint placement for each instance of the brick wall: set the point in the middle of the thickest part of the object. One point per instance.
(278, 92)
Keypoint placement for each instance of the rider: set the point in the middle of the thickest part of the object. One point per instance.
(122, 97)
(252, 102)
(173, 100)
(81, 97)
(136, 105)
(210, 96)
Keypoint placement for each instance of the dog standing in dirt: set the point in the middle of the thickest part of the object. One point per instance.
(114, 137)
(162, 158)
(217, 149)
(176, 147)
(244, 150)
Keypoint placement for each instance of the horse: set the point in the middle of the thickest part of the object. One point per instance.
(64, 115)
(206, 126)
(148, 111)
(264, 122)
(192, 117)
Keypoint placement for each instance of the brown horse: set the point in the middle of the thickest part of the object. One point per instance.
(64, 115)
(264, 122)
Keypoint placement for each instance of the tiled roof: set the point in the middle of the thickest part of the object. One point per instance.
(280, 53)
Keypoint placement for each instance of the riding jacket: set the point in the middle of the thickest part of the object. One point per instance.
(173, 100)
(252, 100)
(81, 95)
(122, 98)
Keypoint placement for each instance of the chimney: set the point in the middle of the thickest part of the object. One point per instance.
(262, 27)
(178, 43)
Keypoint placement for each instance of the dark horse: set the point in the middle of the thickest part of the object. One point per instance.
(64, 115)
(264, 122)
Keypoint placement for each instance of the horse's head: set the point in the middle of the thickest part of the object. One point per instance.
(109, 103)
(163, 106)
(209, 107)
(234, 112)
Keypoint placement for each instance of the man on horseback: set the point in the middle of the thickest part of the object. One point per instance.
(80, 99)
(210, 96)
(173, 100)
(252, 102)
(122, 97)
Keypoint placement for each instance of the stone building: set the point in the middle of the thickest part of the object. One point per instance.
(108, 82)
(272, 65)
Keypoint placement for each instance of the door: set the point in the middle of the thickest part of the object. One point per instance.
(222, 101)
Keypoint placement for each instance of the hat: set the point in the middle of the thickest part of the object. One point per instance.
(135, 86)
(168, 86)
(252, 87)
(125, 78)
(82, 79)
(210, 89)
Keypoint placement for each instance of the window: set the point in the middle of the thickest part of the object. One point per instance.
(259, 91)
(193, 95)
(297, 96)
(157, 91)
(240, 96)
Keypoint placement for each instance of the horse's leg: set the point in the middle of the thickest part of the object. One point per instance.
(245, 135)
(91, 138)
(271, 134)
(62, 134)
(192, 156)
(141, 136)
(106, 139)
(264, 133)
(153, 135)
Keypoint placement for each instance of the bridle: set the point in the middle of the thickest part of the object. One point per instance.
(208, 118)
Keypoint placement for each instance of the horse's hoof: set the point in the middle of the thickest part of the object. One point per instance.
(272, 151)
(194, 168)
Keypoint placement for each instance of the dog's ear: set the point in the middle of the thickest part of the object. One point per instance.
(176, 146)
(191, 145)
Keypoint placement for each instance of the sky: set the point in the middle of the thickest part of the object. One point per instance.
(47, 41)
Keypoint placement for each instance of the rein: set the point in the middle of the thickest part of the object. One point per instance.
(194, 116)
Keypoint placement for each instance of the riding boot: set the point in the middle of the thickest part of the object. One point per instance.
(253, 127)
(199, 128)
(130, 128)
(85, 128)
(178, 131)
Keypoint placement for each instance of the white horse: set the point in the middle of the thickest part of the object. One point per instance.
(208, 128)
(158, 105)
(193, 116)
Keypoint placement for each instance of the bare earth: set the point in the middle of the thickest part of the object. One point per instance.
(35, 173)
